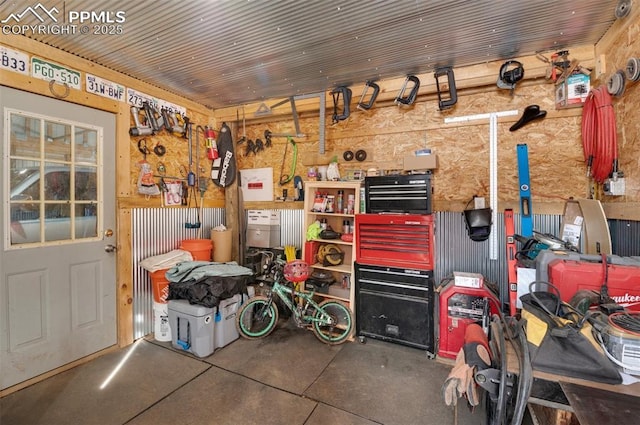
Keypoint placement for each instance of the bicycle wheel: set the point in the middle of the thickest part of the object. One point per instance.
(257, 318)
(338, 328)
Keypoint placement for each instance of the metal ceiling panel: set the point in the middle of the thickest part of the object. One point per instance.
(225, 53)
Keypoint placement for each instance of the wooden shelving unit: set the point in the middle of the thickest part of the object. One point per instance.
(335, 220)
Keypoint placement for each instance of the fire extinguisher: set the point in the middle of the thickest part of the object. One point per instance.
(212, 147)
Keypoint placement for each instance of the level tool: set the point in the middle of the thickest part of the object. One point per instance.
(526, 216)
(510, 231)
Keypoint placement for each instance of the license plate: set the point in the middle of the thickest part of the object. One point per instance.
(104, 88)
(15, 61)
(50, 71)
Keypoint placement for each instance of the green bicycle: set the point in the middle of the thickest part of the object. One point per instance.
(330, 320)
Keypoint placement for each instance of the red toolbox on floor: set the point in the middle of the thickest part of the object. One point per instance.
(623, 280)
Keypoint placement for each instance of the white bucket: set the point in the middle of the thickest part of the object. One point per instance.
(162, 330)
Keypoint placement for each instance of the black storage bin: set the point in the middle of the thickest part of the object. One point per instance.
(406, 193)
(396, 305)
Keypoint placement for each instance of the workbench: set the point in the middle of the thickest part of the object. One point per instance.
(562, 400)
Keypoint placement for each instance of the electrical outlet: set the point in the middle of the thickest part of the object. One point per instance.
(478, 202)
(614, 187)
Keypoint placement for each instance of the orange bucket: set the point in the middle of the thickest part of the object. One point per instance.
(160, 286)
(200, 249)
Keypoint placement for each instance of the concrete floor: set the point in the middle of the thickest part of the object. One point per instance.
(287, 378)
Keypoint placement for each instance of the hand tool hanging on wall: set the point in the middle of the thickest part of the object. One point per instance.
(346, 100)
(154, 118)
(452, 95)
(186, 122)
(223, 169)
(267, 138)
(372, 87)
(171, 121)
(510, 73)
(191, 179)
(512, 263)
(297, 184)
(526, 216)
(413, 83)
(286, 178)
(140, 128)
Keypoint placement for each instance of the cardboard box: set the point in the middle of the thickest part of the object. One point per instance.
(263, 235)
(267, 217)
(422, 162)
(572, 91)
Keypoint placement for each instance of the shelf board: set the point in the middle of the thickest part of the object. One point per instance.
(342, 268)
(329, 214)
(334, 297)
(334, 241)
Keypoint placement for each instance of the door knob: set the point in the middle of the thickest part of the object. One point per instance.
(109, 248)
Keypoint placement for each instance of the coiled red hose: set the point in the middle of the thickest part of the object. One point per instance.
(599, 135)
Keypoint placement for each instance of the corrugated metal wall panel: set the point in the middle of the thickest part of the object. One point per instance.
(155, 231)
(456, 252)
(292, 231)
(625, 237)
(158, 230)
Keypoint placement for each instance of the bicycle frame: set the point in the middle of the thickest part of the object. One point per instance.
(284, 293)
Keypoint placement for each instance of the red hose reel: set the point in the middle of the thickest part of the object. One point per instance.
(599, 135)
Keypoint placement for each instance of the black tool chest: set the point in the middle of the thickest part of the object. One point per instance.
(395, 304)
(402, 193)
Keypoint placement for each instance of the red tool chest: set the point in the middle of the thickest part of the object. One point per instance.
(395, 240)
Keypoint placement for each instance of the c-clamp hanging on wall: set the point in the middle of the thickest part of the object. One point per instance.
(372, 97)
(408, 99)
(346, 100)
(448, 102)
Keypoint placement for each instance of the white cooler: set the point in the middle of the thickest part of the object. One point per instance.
(225, 326)
(192, 327)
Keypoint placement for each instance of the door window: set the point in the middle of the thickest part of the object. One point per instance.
(53, 174)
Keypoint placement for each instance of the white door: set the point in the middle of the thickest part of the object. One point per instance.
(57, 227)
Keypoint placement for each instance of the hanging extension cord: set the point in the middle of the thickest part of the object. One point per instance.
(599, 136)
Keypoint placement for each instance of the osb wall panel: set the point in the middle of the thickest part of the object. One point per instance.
(624, 43)
(175, 160)
(388, 133)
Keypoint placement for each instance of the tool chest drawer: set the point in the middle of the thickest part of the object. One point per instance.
(406, 193)
(396, 240)
(395, 305)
